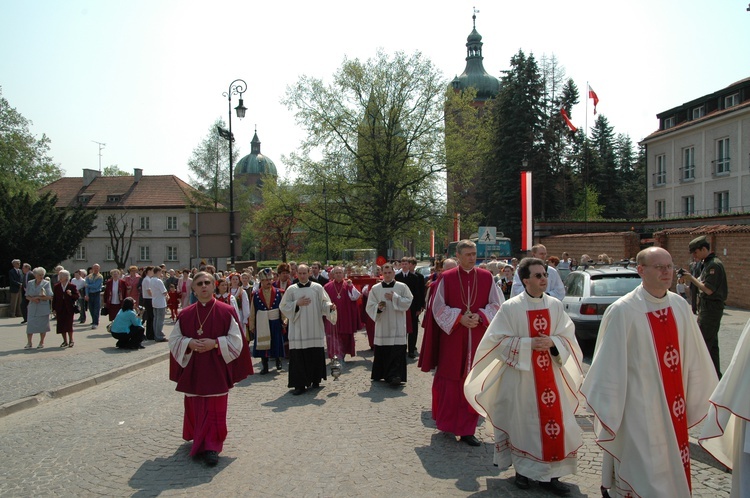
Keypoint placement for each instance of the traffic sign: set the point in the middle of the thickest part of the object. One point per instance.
(487, 235)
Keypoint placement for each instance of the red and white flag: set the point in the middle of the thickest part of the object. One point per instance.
(567, 120)
(592, 95)
(526, 220)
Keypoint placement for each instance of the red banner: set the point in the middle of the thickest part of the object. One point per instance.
(526, 233)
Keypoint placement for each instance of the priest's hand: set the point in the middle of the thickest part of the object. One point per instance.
(303, 301)
(470, 320)
(202, 345)
(389, 296)
(333, 307)
(542, 343)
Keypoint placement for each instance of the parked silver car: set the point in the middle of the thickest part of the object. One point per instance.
(589, 291)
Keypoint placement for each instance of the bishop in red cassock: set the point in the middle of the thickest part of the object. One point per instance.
(209, 354)
(465, 302)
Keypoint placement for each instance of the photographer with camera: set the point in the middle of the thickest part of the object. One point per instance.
(712, 294)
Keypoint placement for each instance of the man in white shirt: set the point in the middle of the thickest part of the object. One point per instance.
(555, 287)
(158, 304)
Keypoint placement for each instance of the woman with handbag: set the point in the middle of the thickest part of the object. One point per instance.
(64, 301)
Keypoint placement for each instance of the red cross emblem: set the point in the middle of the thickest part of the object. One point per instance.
(661, 314)
(685, 454)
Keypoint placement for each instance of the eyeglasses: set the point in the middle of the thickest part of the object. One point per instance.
(662, 268)
(203, 283)
(540, 275)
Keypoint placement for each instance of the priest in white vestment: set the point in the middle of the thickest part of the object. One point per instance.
(525, 380)
(305, 304)
(725, 434)
(387, 304)
(649, 382)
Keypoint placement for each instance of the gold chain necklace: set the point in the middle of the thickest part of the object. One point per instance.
(469, 302)
(200, 324)
(338, 292)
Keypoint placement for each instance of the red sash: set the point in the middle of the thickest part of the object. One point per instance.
(666, 343)
(551, 425)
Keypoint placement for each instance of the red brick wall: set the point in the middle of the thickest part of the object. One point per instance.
(617, 246)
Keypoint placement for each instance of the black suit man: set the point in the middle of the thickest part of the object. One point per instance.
(415, 282)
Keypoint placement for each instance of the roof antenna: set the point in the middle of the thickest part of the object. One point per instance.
(101, 146)
(474, 17)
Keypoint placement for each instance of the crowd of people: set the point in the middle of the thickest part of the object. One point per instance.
(495, 334)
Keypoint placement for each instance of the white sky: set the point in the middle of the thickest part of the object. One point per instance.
(146, 76)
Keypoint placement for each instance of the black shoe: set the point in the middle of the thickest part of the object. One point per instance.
(278, 363)
(395, 381)
(212, 458)
(412, 355)
(471, 440)
(605, 492)
(522, 482)
(299, 390)
(141, 346)
(264, 371)
(315, 385)
(555, 487)
(23, 322)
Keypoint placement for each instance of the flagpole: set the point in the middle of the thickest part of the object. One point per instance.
(586, 163)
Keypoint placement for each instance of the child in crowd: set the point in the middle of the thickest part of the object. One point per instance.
(173, 301)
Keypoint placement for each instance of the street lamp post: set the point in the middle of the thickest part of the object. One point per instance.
(325, 214)
(237, 87)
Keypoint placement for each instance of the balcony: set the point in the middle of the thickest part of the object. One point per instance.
(720, 167)
(659, 179)
(687, 174)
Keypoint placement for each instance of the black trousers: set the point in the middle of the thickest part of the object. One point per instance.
(131, 340)
(709, 321)
(412, 338)
(148, 319)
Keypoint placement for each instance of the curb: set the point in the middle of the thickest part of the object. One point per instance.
(32, 401)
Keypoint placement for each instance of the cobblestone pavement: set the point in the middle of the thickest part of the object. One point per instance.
(350, 437)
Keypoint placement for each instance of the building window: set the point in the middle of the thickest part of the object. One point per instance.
(113, 198)
(699, 112)
(722, 157)
(669, 122)
(171, 222)
(721, 200)
(171, 253)
(660, 177)
(688, 205)
(84, 199)
(145, 223)
(110, 254)
(731, 100)
(81, 253)
(144, 253)
(661, 208)
(688, 164)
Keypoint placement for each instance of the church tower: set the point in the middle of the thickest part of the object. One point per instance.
(463, 173)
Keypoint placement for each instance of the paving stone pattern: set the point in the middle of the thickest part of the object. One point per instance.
(350, 437)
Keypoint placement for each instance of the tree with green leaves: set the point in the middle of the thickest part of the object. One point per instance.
(276, 220)
(25, 163)
(34, 229)
(209, 165)
(379, 127)
(114, 170)
(518, 118)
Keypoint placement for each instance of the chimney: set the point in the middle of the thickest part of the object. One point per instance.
(138, 173)
(89, 175)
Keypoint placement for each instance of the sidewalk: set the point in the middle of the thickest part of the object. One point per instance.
(31, 376)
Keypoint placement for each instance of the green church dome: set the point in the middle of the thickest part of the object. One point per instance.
(474, 76)
(255, 163)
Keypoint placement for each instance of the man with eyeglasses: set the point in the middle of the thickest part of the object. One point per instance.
(525, 381)
(555, 286)
(209, 354)
(712, 294)
(649, 382)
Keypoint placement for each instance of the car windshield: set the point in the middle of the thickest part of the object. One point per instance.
(614, 285)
